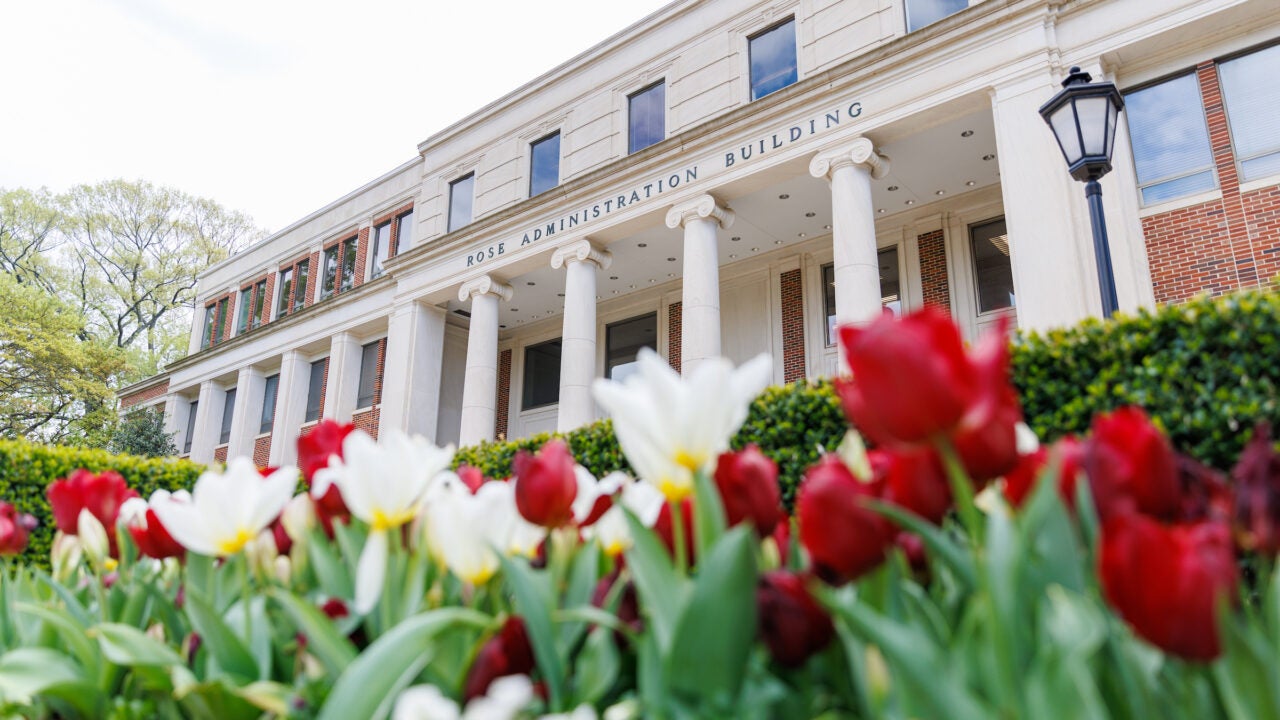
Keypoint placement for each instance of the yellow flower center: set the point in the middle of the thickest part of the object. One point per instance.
(235, 544)
(615, 548)
(690, 461)
(672, 489)
(383, 521)
(110, 564)
(480, 576)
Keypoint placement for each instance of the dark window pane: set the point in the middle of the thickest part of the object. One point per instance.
(269, 392)
(623, 341)
(1170, 140)
(242, 321)
(993, 274)
(330, 272)
(829, 301)
(259, 303)
(927, 12)
(368, 374)
(1253, 108)
(300, 287)
(191, 426)
(285, 299)
(404, 232)
(890, 291)
(381, 246)
(773, 59)
(220, 323)
(348, 264)
(315, 389)
(228, 412)
(461, 195)
(206, 337)
(647, 111)
(544, 164)
(541, 374)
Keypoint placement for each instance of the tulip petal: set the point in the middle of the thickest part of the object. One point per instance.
(371, 571)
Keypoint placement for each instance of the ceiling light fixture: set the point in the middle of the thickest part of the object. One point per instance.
(988, 157)
(613, 277)
(970, 183)
(881, 211)
(800, 235)
(777, 242)
(967, 133)
(826, 227)
(911, 202)
(810, 214)
(892, 188)
(531, 283)
(642, 244)
(671, 259)
(940, 193)
(784, 196)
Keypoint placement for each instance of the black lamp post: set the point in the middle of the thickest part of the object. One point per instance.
(1083, 119)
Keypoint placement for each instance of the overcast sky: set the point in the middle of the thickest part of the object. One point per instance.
(272, 107)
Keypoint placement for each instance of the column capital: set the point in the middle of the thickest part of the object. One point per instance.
(583, 250)
(859, 153)
(484, 285)
(703, 206)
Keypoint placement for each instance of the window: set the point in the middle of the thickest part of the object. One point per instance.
(622, 342)
(286, 292)
(404, 232)
(245, 302)
(1170, 140)
(191, 427)
(927, 12)
(890, 289)
(773, 59)
(647, 117)
(219, 328)
(228, 412)
(330, 271)
(368, 374)
(206, 339)
(381, 246)
(992, 272)
(339, 267)
(300, 286)
(259, 303)
(462, 193)
(315, 390)
(269, 392)
(348, 264)
(541, 374)
(1253, 110)
(544, 164)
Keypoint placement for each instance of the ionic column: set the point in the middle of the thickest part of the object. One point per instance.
(480, 386)
(208, 422)
(247, 417)
(413, 368)
(344, 378)
(291, 407)
(580, 259)
(850, 169)
(700, 217)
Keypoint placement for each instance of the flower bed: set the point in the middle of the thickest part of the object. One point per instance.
(958, 570)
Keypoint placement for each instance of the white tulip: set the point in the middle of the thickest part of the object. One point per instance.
(226, 510)
(507, 696)
(672, 427)
(93, 538)
(611, 530)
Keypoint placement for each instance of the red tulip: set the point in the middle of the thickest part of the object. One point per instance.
(153, 540)
(844, 538)
(748, 484)
(335, 609)
(507, 653)
(15, 528)
(546, 485)
(792, 624)
(471, 477)
(101, 494)
(1204, 493)
(1020, 483)
(628, 610)
(913, 479)
(1257, 483)
(1131, 466)
(314, 450)
(1167, 581)
(911, 380)
(986, 437)
(666, 532)
(913, 548)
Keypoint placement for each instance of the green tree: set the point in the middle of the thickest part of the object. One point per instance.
(29, 234)
(141, 432)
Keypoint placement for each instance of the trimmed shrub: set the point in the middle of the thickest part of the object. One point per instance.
(27, 469)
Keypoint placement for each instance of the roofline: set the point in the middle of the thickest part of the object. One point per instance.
(143, 384)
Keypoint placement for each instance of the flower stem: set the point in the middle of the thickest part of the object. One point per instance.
(677, 537)
(961, 491)
(246, 594)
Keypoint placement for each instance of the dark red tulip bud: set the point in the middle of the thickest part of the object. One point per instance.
(284, 543)
(913, 548)
(748, 484)
(628, 609)
(15, 529)
(154, 540)
(506, 653)
(1257, 485)
(101, 494)
(546, 485)
(1020, 483)
(986, 437)
(1131, 466)
(792, 624)
(915, 480)
(314, 450)
(472, 477)
(335, 609)
(666, 531)
(844, 538)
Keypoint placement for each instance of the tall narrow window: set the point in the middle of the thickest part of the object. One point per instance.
(462, 193)
(647, 117)
(220, 322)
(285, 300)
(381, 246)
(927, 12)
(300, 286)
(404, 232)
(1253, 109)
(368, 375)
(348, 264)
(269, 392)
(259, 303)
(541, 374)
(992, 270)
(890, 289)
(1170, 140)
(315, 390)
(544, 164)
(623, 341)
(191, 426)
(246, 305)
(330, 272)
(773, 59)
(210, 317)
(228, 414)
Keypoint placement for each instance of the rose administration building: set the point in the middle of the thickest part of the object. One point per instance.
(732, 177)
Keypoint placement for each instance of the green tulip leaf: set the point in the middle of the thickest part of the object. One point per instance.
(29, 671)
(662, 590)
(533, 602)
(220, 640)
(124, 645)
(324, 641)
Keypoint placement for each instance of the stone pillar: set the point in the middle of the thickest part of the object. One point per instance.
(175, 419)
(208, 422)
(412, 370)
(291, 407)
(250, 386)
(849, 169)
(580, 259)
(344, 378)
(480, 386)
(700, 217)
(1050, 242)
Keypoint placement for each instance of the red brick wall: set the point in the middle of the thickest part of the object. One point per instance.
(264, 312)
(362, 256)
(313, 280)
(262, 451)
(368, 421)
(229, 321)
(504, 394)
(220, 454)
(1221, 245)
(151, 393)
(324, 386)
(673, 336)
(934, 282)
(377, 374)
(792, 326)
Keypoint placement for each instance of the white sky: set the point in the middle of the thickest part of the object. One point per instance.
(271, 107)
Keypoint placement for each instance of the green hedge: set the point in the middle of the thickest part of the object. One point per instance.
(27, 469)
(1206, 370)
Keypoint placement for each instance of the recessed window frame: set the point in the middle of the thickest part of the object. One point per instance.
(611, 353)
(302, 270)
(973, 264)
(534, 189)
(284, 291)
(527, 389)
(827, 278)
(270, 393)
(751, 51)
(1271, 151)
(454, 195)
(1208, 167)
(400, 242)
(228, 416)
(316, 376)
(379, 246)
(192, 410)
(906, 12)
(370, 369)
(244, 306)
(632, 146)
